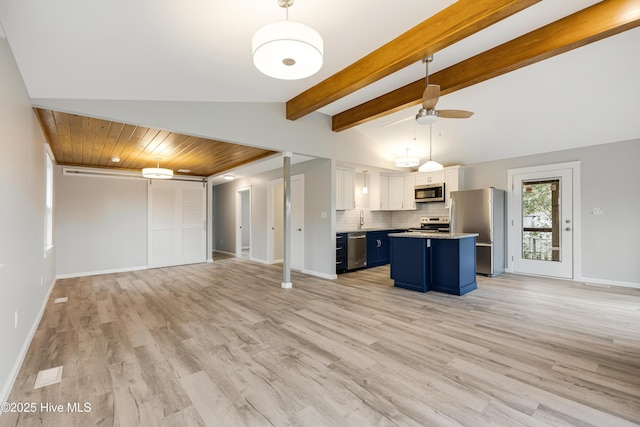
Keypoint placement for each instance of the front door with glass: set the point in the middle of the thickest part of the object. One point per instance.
(543, 223)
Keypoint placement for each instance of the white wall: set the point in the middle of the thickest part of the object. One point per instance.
(26, 274)
(319, 237)
(101, 224)
(609, 179)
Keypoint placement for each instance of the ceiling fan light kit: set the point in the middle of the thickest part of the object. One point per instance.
(426, 117)
(157, 172)
(287, 50)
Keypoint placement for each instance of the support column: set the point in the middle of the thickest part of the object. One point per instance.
(286, 264)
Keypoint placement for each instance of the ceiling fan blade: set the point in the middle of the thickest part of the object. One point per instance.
(430, 96)
(397, 121)
(454, 114)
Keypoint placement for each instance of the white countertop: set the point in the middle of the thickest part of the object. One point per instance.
(350, 230)
(423, 235)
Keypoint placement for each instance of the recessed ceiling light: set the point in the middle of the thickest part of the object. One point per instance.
(184, 170)
(115, 159)
(228, 177)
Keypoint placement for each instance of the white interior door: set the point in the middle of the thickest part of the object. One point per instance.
(275, 220)
(297, 222)
(543, 222)
(243, 222)
(177, 223)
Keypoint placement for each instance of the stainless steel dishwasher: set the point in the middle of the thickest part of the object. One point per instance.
(356, 250)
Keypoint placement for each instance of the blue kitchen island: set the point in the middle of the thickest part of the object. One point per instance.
(443, 262)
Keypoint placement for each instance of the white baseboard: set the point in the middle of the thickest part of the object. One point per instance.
(322, 275)
(225, 252)
(589, 280)
(95, 273)
(260, 260)
(209, 260)
(6, 388)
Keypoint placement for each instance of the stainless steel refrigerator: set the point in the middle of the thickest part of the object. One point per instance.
(483, 212)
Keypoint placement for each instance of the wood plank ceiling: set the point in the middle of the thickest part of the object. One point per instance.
(85, 141)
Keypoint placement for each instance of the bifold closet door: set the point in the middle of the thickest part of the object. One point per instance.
(177, 223)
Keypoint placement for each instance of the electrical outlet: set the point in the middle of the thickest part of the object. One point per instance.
(41, 281)
(15, 319)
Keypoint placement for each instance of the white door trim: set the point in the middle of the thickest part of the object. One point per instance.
(577, 211)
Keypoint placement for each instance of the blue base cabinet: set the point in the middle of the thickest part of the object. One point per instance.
(443, 265)
(377, 248)
(453, 265)
(410, 263)
(341, 253)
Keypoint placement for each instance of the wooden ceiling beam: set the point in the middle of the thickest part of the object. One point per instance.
(594, 23)
(456, 22)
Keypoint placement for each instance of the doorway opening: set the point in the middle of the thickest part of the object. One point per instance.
(243, 222)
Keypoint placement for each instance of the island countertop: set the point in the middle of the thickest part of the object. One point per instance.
(423, 235)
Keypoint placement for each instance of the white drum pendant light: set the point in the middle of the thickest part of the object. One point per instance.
(157, 172)
(287, 50)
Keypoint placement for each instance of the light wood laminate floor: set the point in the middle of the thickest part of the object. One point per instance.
(222, 344)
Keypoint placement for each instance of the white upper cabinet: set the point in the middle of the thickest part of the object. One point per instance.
(409, 192)
(453, 181)
(345, 189)
(387, 192)
(424, 178)
(378, 192)
(396, 193)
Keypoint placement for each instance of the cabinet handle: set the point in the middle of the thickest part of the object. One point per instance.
(338, 262)
(338, 249)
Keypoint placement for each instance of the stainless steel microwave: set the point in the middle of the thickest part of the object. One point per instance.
(429, 193)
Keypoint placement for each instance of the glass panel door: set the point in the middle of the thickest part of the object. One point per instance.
(541, 220)
(543, 223)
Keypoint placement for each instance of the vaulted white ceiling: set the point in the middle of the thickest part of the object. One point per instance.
(197, 50)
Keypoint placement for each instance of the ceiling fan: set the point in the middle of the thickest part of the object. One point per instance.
(428, 113)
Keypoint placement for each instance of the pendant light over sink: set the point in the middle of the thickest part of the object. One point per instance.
(287, 50)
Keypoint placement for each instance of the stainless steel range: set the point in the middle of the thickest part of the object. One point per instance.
(430, 224)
